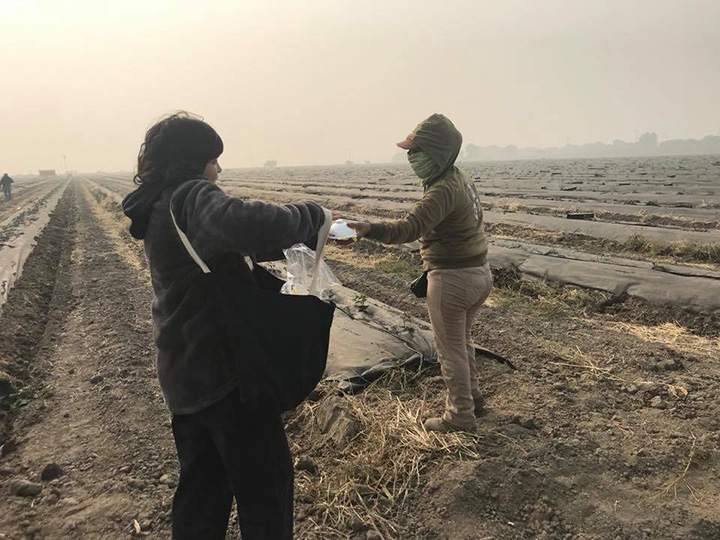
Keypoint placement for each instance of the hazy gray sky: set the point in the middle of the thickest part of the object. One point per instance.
(313, 81)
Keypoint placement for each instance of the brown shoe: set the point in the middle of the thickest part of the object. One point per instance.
(439, 425)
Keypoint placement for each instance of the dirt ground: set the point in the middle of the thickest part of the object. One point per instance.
(609, 429)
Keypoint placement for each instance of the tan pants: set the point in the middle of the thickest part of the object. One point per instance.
(453, 299)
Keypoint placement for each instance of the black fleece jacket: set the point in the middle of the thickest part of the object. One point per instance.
(193, 363)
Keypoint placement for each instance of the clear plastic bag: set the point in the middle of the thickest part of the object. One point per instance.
(300, 273)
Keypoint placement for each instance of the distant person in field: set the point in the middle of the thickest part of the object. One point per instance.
(227, 444)
(6, 185)
(448, 221)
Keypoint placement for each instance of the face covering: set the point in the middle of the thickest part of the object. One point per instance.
(423, 166)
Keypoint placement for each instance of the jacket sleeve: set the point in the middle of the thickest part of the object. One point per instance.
(216, 222)
(428, 212)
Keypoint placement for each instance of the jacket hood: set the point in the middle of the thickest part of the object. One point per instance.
(138, 205)
(438, 137)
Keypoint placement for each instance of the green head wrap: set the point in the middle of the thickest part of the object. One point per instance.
(423, 166)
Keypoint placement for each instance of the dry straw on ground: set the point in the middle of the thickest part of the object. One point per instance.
(672, 335)
(369, 481)
(687, 250)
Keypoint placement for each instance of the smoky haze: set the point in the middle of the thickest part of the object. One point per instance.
(319, 82)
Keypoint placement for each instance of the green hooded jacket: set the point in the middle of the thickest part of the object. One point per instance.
(448, 220)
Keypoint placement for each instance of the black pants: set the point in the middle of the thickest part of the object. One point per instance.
(226, 450)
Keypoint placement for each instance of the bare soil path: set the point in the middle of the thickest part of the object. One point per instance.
(98, 412)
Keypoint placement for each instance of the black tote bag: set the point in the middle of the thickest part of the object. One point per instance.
(278, 342)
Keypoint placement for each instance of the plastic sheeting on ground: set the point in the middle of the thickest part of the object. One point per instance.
(602, 229)
(638, 209)
(660, 284)
(367, 342)
(15, 252)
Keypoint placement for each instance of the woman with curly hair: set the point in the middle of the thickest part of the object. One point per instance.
(228, 446)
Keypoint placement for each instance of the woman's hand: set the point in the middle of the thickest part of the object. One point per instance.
(361, 228)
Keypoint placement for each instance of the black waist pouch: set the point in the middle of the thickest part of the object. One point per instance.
(420, 285)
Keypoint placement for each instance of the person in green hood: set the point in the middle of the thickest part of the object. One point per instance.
(448, 221)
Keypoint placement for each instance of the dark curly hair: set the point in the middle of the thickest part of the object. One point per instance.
(176, 149)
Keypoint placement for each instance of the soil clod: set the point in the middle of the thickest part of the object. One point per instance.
(25, 488)
(51, 471)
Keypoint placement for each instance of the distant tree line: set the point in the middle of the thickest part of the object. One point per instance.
(646, 145)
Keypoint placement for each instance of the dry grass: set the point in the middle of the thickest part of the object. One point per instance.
(402, 268)
(686, 250)
(370, 480)
(681, 478)
(515, 206)
(549, 300)
(108, 215)
(635, 247)
(576, 358)
(679, 221)
(642, 216)
(672, 335)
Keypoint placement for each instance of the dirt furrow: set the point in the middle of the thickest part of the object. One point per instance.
(24, 197)
(34, 311)
(100, 417)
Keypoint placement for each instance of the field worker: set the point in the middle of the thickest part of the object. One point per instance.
(6, 185)
(448, 221)
(227, 446)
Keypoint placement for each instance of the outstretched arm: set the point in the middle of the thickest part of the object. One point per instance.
(427, 213)
(216, 222)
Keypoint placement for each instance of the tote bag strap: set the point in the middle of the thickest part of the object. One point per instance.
(188, 246)
(322, 239)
